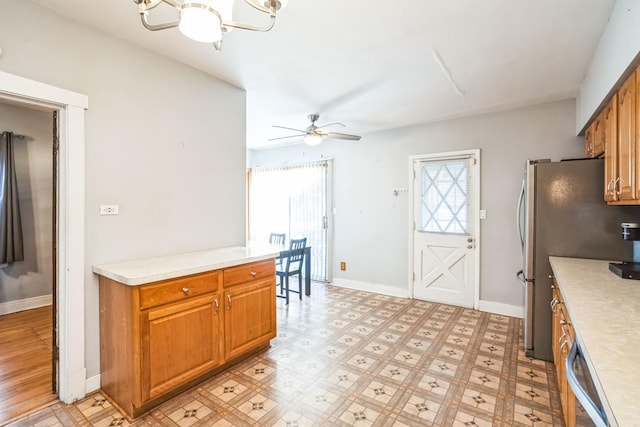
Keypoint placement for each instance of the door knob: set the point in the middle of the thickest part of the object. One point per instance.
(469, 239)
(469, 246)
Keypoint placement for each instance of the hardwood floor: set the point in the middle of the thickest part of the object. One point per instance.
(25, 362)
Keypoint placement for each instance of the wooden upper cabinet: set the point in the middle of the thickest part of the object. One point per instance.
(598, 136)
(610, 118)
(636, 126)
(594, 138)
(626, 187)
(588, 141)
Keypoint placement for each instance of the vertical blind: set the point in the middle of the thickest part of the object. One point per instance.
(292, 200)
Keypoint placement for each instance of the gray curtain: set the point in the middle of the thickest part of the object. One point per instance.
(11, 245)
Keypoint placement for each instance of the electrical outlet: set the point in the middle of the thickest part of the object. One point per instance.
(343, 266)
(483, 214)
(108, 209)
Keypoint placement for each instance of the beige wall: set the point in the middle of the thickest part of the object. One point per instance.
(163, 141)
(371, 224)
(33, 158)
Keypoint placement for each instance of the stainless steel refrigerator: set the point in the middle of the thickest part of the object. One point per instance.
(562, 212)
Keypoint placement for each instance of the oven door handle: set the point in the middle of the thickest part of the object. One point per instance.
(596, 414)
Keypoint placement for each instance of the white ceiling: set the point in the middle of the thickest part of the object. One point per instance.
(371, 64)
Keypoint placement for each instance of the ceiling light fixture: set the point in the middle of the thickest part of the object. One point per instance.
(208, 21)
(312, 139)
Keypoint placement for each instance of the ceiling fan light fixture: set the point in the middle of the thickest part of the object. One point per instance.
(200, 22)
(312, 139)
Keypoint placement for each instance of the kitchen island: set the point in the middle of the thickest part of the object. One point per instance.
(605, 313)
(168, 323)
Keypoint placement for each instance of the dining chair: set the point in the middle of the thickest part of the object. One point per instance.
(292, 265)
(277, 239)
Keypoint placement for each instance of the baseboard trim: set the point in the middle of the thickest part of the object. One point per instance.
(502, 309)
(25, 304)
(93, 384)
(370, 287)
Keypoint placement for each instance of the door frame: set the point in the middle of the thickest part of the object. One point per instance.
(475, 215)
(70, 222)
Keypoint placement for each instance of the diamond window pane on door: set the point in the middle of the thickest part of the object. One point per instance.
(445, 195)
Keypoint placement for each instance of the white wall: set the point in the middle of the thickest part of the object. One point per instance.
(371, 225)
(163, 141)
(31, 278)
(617, 49)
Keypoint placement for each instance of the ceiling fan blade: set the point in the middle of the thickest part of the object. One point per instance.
(330, 124)
(335, 135)
(284, 127)
(285, 137)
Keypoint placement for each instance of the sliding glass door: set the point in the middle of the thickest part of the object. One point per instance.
(295, 201)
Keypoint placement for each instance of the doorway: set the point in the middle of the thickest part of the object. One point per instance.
(294, 201)
(27, 286)
(444, 234)
(70, 264)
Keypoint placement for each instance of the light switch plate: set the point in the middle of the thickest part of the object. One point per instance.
(483, 214)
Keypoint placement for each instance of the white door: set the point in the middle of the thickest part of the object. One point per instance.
(445, 212)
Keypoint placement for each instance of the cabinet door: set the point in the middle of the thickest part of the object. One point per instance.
(610, 117)
(588, 141)
(626, 186)
(250, 316)
(179, 342)
(598, 135)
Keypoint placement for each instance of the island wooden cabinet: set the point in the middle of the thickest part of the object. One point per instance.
(158, 339)
(169, 356)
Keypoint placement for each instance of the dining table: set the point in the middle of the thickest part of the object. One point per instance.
(284, 252)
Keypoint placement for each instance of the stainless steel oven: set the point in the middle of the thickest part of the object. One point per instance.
(589, 408)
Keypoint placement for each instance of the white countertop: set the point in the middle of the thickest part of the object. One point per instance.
(139, 272)
(605, 312)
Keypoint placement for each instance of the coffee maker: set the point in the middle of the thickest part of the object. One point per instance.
(629, 270)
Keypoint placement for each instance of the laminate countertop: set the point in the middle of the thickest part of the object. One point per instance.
(142, 271)
(605, 313)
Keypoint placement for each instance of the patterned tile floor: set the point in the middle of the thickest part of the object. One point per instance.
(351, 358)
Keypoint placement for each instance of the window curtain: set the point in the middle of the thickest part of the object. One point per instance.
(11, 244)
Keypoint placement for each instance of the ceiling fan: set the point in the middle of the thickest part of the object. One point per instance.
(313, 135)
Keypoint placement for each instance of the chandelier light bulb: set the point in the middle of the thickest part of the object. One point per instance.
(200, 23)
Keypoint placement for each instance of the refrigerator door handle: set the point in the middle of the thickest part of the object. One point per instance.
(519, 216)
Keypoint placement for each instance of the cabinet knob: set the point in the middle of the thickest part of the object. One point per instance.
(185, 290)
(254, 273)
(228, 302)
(215, 301)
